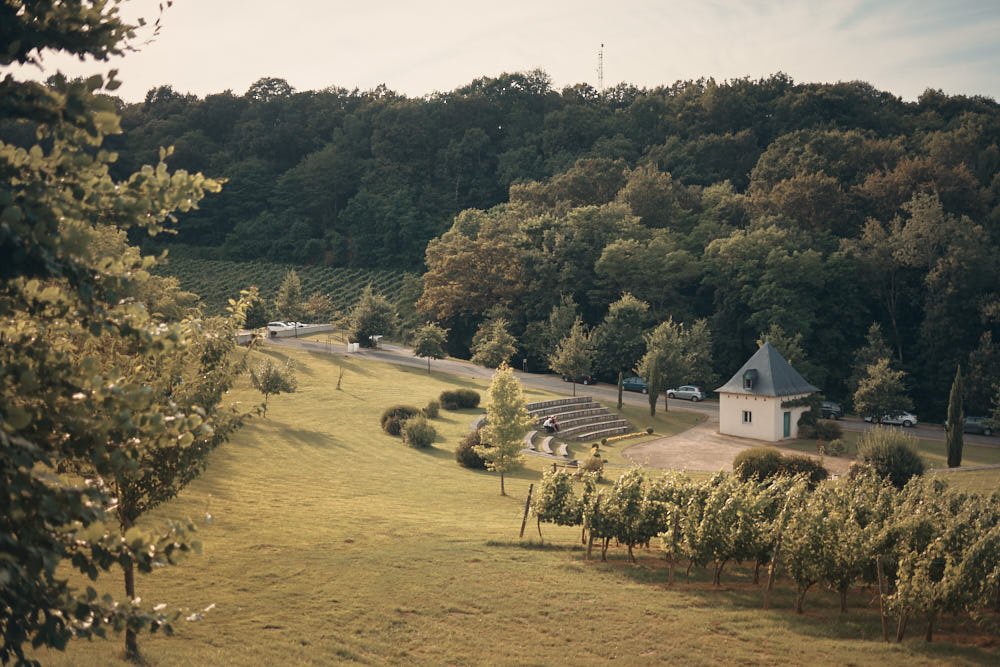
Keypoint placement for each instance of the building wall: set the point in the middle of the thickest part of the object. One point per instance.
(767, 421)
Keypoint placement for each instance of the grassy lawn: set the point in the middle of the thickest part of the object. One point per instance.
(334, 543)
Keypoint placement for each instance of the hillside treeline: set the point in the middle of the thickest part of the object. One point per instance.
(819, 208)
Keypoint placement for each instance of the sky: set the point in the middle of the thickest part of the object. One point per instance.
(419, 47)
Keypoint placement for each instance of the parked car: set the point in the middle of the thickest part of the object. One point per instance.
(580, 379)
(902, 419)
(635, 383)
(278, 326)
(687, 391)
(980, 425)
(830, 410)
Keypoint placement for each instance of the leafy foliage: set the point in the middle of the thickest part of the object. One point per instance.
(892, 454)
(372, 315)
(459, 399)
(493, 345)
(271, 379)
(466, 454)
(507, 421)
(394, 417)
(418, 432)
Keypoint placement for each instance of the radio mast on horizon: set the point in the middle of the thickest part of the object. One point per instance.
(600, 70)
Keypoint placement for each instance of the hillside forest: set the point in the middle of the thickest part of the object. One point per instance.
(810, 211)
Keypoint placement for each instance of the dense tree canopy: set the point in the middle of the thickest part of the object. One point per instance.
(752, 203)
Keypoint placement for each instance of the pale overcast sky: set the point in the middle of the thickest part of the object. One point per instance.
(419, 47)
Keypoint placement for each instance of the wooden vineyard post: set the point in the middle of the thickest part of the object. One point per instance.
(881, 598)
(527, 506)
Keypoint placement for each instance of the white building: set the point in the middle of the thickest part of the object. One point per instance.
(750, 404)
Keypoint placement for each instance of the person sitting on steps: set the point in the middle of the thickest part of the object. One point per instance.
(550, 425)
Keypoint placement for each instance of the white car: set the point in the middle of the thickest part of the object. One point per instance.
(278, 326)
(902, 419)
(688, 391)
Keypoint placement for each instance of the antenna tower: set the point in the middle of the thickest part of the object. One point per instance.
(600, 70)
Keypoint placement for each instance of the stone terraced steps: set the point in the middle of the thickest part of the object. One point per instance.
(580, 418)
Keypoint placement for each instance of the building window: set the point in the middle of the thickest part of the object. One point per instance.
(747, 417)
(749, 377)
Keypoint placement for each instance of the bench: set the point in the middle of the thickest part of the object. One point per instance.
(545, 445)
(529, 440)
(562, 451)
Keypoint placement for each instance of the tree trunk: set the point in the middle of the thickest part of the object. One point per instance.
(930, 629)
(503, 491)
(428, 365)
(604, 549)
(772, 570)
(901, 627)
(717, 580)
(131, 640)
(631, 557)
(574, 387)
(540, 538)
(527, 506)
(801, 597)
(583, 534)
(882, 592)
(843, 600)
(756, 572)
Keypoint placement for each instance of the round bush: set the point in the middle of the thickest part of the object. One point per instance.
(835, 447)
(649, 430)
(418, 433)
(433, 409)
(594, 464)
(892, 454)
(758, 463)
(466, 455)
(459, 399)
(799, 464)
(827, 429)
(393, 418)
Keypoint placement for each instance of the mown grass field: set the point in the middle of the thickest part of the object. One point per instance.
(333, 543)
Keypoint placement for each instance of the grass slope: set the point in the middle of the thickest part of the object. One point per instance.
(333, 543)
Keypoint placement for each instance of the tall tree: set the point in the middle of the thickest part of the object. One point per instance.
(875, 348)
(507, 420)
(956, 421)
(618, 341)
(574, 356)
(372, 315)
(289, 302)
(428, 342)
(674, 354)
(493, 345)
(881, 392)
(64, 291)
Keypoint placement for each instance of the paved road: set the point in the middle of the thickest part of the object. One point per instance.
(398, 354)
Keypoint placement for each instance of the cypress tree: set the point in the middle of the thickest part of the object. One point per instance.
(956, 421)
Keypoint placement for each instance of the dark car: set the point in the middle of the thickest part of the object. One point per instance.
(580, 379)
(635, 383)
(980, 425)
(830, 410)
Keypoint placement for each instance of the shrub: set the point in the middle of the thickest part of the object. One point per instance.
(892, 454)
(418, 433)
(466, 455)
(835, 447)
(801, 464)
(457, 399)
(649, 430)
(757, 463)
(594, 464)
(807, 431)
(393, 418)
(433, 409)
(827, 429)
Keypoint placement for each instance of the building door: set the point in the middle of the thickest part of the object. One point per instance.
(788, 425)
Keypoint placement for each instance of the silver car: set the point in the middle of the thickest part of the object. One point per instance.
(687, 391)
(902, 419)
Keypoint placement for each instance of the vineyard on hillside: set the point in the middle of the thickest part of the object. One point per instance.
(216, 281)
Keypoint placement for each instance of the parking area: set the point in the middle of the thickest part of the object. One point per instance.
(703, 449)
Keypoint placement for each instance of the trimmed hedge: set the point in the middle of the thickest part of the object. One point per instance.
(762, 463)
(459, 399)
(892, 454)
(433, 409)
(393, 418)
(466, 455)
(418, 433)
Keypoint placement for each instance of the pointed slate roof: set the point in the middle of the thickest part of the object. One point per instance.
(775, 376)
